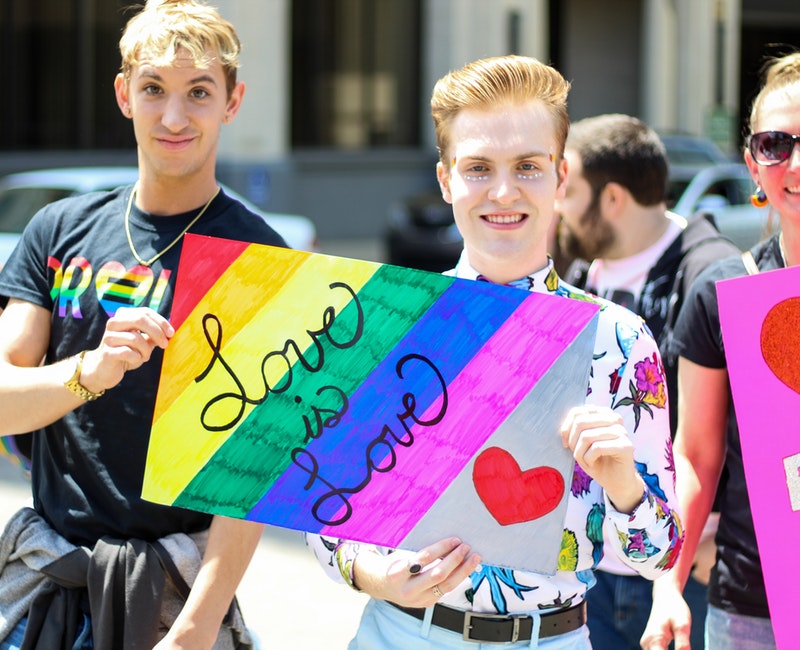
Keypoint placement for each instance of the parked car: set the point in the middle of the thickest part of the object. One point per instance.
(421, 232)
(688, 155)
(23, 194)
(691, 150)
(723, 192)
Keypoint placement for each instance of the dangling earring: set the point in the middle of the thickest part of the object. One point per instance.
(759, 197)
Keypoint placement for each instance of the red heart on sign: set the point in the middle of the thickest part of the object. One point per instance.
(780, 344)
(511, 495)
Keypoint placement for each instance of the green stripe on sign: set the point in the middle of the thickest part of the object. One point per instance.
(259, 451)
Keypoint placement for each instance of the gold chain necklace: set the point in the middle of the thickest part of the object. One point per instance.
(172, 243)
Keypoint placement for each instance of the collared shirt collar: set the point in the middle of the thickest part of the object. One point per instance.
(540, 280)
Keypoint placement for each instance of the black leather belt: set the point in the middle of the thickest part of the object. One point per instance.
(493, 628)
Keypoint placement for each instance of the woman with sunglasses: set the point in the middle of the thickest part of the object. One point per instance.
(707, 447)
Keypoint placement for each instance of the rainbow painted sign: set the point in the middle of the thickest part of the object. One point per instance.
(368, 402)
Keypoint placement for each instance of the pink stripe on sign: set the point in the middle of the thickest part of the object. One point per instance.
(481, 398)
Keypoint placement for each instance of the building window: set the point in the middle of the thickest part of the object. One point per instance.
(355, 73)
(59, 58)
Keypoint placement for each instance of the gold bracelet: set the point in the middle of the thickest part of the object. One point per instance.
(74, 383)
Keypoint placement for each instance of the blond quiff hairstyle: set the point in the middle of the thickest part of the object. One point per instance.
(164, 27)
(495, 81)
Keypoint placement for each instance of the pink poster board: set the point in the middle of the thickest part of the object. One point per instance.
(760, 319)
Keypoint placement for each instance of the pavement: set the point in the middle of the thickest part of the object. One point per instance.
(287, 599)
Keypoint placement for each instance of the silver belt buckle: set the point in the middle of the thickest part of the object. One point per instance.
(468, 616)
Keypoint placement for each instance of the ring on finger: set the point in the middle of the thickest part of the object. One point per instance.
(437, 592)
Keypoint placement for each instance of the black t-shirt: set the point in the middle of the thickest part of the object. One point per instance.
(737, 583)
(75, 261)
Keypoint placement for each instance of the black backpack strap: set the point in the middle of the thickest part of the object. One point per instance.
(678, 290)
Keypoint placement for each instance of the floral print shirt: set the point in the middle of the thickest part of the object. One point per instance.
(627, 375)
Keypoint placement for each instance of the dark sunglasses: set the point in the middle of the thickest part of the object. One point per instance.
(772, 147)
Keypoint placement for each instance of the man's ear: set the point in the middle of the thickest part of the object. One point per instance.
(121, 92)
(613, 200)
(561, 178)
(443, 176)
(234, 102)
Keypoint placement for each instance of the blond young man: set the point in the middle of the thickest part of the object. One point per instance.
(501, 124)
(87, 296)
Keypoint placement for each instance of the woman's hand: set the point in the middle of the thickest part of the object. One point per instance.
(670, 618)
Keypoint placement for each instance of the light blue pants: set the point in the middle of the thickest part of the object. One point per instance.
(384, 627)
(727, 631)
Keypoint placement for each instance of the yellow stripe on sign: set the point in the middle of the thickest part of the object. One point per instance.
(250, 282)
(253, 324)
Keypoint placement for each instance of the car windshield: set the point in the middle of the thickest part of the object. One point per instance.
(19, 204)
(692, 151)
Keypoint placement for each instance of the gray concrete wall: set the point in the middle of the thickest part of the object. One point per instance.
(346, 194)
(601, 56)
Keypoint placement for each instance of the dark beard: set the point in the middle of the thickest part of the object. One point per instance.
(598, 238)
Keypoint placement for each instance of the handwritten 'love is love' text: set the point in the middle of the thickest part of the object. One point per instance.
(226, 409)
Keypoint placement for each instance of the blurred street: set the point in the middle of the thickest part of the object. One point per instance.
(359, 249)
(287, 599)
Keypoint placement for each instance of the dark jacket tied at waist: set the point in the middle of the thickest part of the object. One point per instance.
(123, 583)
